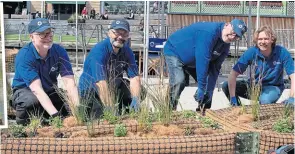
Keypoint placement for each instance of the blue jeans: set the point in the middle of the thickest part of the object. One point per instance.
(178, 78)
(268, 94)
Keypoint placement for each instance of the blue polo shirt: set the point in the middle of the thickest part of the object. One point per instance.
(269, 69)
(201, 45)
(30, 66)
(102, 63)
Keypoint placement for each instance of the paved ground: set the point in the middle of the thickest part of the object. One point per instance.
(219, 99)
(187, 101)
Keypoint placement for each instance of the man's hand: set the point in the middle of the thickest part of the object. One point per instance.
(134, 104)
(199, 95)
(55, 115)
(234, 101)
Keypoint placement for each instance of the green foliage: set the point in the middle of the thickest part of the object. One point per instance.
(56, 122)
(110, 117)
(159, 96)
(35, 123)
(17, 131)
(284, 125)
(90, 127)
(254, 96)
(254, 91)
(145, 118)
(288, 110)
(208, 123)
(243, 108)
(120, 130)
(91, 123)
(188, 114)
(133, 114)
(80, 111)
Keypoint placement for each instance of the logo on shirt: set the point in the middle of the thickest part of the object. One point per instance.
(117, 22)
(276, 63)
(53, 69)
(216, 53)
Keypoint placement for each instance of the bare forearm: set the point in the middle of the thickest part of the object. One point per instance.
(72, 90)
(135, 86)
(104, 93)
(232, 80)
(292, 90)
(43, 98)
(45, 101)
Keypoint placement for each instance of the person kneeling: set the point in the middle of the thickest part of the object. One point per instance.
(268, 60)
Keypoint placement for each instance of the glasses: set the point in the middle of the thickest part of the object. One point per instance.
(123, 34)
(44, 35)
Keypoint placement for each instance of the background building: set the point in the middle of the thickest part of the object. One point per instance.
(62, 10)
(57, 10)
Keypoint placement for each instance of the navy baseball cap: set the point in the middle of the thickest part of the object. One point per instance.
(38, 25)
(120, 24)
(239, 27)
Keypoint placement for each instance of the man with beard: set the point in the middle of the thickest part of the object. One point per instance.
(102, 83)
(199, 50)
(37, 66)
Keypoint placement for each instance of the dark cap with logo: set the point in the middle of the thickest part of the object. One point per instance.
(39, 25)
(120, 24)
(239, 27)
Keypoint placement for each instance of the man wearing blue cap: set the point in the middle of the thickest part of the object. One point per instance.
(269, 61)
(199, 50)
(102, 77)
(37, 66)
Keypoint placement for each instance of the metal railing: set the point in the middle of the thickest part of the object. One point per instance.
(90, 34)
(94, 33)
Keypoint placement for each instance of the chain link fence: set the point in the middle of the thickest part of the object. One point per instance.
(276, 8)
(290, 8)
(221, 7)
(285, 37)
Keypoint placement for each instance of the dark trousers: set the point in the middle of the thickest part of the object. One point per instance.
(242, 89)
(122, 94)
(26, 103)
